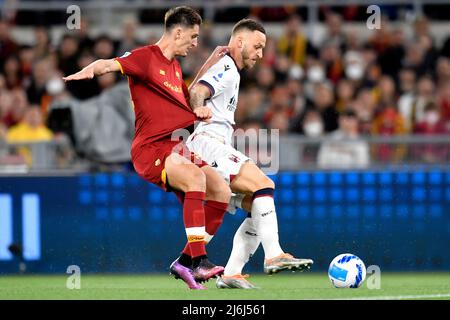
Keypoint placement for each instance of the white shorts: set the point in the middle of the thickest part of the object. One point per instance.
(225, 159)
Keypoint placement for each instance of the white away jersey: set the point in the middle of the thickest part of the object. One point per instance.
(222, 79)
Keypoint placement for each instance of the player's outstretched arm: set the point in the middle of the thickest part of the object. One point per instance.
(215, 56)
(96, 68)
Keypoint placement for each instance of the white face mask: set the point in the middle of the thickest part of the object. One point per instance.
(296, 72)
(354, 71)
(313, 129)
(54, 86)
(316, 74)
(431, 117)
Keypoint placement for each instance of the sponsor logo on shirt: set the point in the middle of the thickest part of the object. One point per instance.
(126, 54)
(173, 87)
(177, 75)
(232, 104)
(227, 67)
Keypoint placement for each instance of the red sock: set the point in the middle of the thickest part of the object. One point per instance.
(194, 222)
(214, 212)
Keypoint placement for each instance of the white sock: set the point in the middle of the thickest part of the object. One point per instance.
(265, 221)
(245, 243)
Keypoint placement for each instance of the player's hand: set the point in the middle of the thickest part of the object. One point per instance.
(217, 54)
(203, 113)
(86, 73)
(220, 51)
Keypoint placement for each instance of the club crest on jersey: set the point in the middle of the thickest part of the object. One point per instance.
(162, 72)
(177, 75)
(234, 158)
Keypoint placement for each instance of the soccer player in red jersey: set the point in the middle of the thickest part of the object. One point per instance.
(160, 98)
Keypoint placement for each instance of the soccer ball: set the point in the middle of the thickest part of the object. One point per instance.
(347, 271)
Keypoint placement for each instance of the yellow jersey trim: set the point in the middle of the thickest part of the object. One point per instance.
(120, 66)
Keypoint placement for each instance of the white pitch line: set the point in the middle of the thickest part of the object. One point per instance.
(420, 296)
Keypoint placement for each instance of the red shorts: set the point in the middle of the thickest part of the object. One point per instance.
(149, 160)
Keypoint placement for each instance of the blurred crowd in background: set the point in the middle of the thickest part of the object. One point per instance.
(391, 83)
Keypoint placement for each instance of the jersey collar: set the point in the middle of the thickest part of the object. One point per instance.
(158, 51)
(237, 67)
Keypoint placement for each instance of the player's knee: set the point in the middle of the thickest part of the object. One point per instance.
(195, 180)
(219, 192)
(266, 182)
(225, 193)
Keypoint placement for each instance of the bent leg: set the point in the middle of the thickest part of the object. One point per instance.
(217, 188)
(251, 180)
(218, 195)
(187, 177)
(183, 175)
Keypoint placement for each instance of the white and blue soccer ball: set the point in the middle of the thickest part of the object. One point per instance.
(347, 271)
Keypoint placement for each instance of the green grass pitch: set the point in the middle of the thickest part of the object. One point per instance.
(285, 286)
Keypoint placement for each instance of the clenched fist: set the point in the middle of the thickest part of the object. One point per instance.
(203, 113)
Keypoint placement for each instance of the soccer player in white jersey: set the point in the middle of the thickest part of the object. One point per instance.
(218, 88)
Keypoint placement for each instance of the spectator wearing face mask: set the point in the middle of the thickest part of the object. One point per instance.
(315, 75)
(344, 149)
(310, 124)
(432, 124)
(355, 66)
